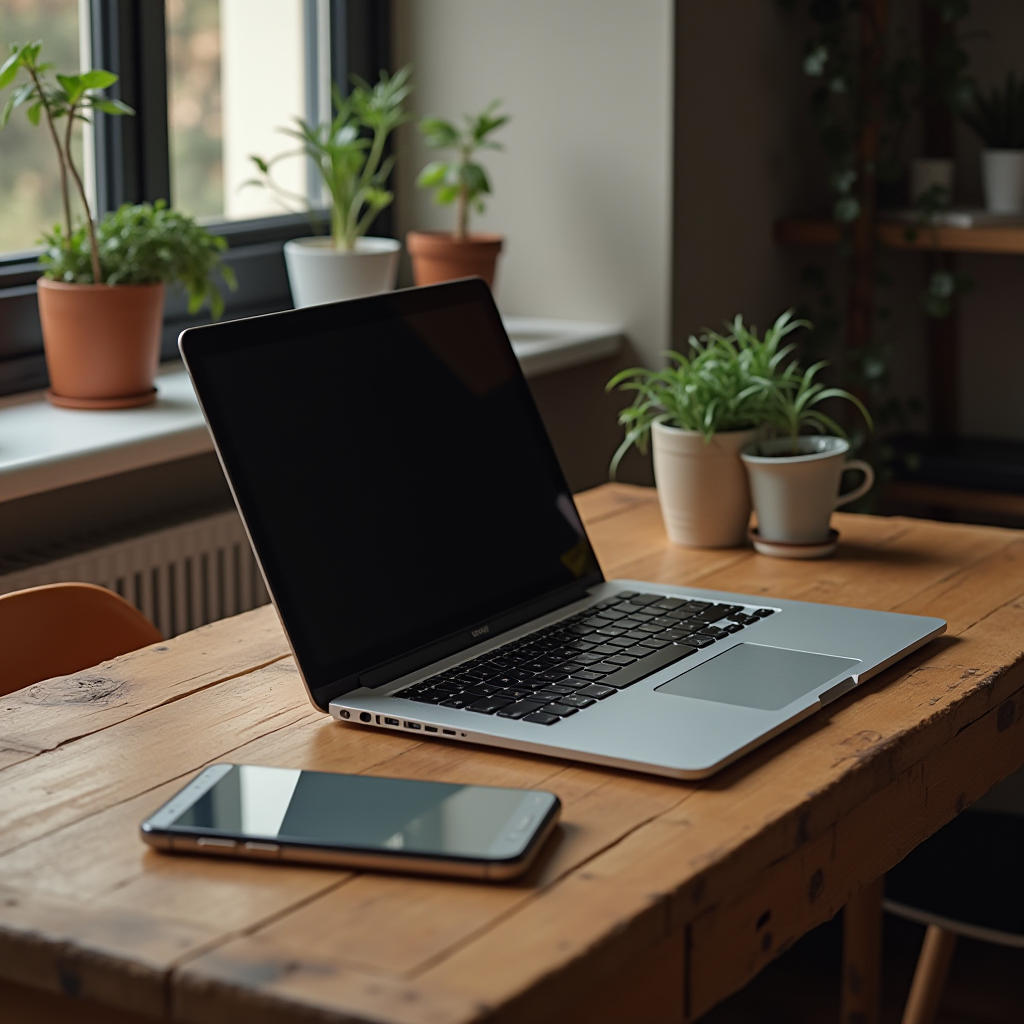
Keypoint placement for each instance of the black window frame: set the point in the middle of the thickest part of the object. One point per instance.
(133, 165)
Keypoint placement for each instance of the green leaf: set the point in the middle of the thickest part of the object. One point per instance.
(33, 112)
(446, 195)
(433, 174)
(113, 107)
(97, 79)
(9, 70)
(72, 86)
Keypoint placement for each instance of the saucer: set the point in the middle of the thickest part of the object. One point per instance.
(781, 549)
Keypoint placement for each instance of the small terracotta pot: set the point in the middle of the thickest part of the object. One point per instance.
(438, 257)
(102, 342)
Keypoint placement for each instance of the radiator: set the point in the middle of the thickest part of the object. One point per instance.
(179, 577)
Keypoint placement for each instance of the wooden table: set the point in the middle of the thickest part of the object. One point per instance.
(660, 898)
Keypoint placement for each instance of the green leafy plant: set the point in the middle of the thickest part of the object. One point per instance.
(56, 98)
(790, 401)
(998, 116)
(348, 152)
(461, 180)
(724, 382)
(143, 244)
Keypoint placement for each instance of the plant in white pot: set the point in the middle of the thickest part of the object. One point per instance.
(699, 412)
(998, 120)
(795, 475)
(349, 154)
(101, 295)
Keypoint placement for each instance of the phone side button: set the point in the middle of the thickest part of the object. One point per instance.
(212, 841)
(270, 850)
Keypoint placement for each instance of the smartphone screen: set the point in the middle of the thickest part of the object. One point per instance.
(248, 806)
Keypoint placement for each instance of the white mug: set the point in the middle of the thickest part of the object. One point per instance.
(794, 495)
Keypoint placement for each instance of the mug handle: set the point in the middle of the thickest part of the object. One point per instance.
(869, 481)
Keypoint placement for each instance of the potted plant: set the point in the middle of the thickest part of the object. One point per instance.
(349, 154)
(461, 180)
(700, 411)
(794, 475)
(101, 295)
(998, 120)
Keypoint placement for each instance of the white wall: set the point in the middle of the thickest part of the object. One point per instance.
(583, 189)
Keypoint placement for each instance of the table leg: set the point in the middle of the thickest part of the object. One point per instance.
(862, 956)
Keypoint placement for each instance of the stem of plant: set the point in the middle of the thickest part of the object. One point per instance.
(62, 168)
(462, 214)
(94, 249)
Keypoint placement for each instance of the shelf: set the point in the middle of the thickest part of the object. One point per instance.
(956, 499)
(819, 231)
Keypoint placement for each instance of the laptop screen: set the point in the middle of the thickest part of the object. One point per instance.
(394, 475)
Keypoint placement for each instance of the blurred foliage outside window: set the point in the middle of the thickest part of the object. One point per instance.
(29, 178)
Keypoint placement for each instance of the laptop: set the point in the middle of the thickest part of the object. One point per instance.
(423, 551)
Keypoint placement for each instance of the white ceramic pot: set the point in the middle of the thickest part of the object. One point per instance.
(317, 272)
(702, 487)
(1002, 172)
(795, 495)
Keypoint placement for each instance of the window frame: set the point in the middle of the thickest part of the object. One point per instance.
(133, 165)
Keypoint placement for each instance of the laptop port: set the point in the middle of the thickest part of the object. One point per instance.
(448, 732)
(430, 728)
(412, 725)
(365, 716)
(391, 721)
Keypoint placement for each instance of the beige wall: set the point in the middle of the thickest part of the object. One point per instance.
(582, 191)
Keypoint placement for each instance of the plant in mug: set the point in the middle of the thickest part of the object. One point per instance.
(997, 117)
(791, 400)
(461, 180)
(348, 153)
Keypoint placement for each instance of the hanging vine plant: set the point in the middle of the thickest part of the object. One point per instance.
(870, 76)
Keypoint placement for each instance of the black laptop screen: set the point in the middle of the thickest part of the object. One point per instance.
(393, 472)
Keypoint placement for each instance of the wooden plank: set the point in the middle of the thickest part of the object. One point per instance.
(612, 500)
(734, 939)
(960, 498)
(814, 231)
(47, 714)
(68, 783)
(25, 1005)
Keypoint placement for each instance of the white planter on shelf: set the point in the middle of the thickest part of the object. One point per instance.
(702, 486)
(1002, 172)
(317, 272)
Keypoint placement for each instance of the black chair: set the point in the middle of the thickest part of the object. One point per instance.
(967, 879)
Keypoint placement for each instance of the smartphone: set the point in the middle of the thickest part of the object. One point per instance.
(356, 821)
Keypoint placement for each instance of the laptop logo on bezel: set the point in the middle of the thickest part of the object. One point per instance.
(480, 631)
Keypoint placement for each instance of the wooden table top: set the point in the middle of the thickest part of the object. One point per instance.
(684, 889)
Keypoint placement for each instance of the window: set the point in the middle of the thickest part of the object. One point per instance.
(29, 197)
(210, 81)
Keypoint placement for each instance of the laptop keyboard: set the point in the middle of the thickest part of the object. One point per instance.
(557, 671)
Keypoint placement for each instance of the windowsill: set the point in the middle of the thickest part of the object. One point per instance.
(43, 448)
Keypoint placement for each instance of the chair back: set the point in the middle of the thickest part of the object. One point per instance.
(62, 628)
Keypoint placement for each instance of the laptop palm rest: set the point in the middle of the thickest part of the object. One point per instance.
(756, 676)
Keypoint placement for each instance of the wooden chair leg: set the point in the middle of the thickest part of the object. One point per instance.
(862, 956)
(929, 976)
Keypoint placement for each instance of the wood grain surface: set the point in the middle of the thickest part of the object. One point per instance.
(660, 897)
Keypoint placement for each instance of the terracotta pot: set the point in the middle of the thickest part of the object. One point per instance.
(702, 486)
(439, 257)
(102, 342)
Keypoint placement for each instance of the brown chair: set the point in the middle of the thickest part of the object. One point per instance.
(63, 628)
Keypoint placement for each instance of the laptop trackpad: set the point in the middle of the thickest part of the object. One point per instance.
(754, 676)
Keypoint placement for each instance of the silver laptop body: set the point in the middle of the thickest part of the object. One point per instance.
(439, 582)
